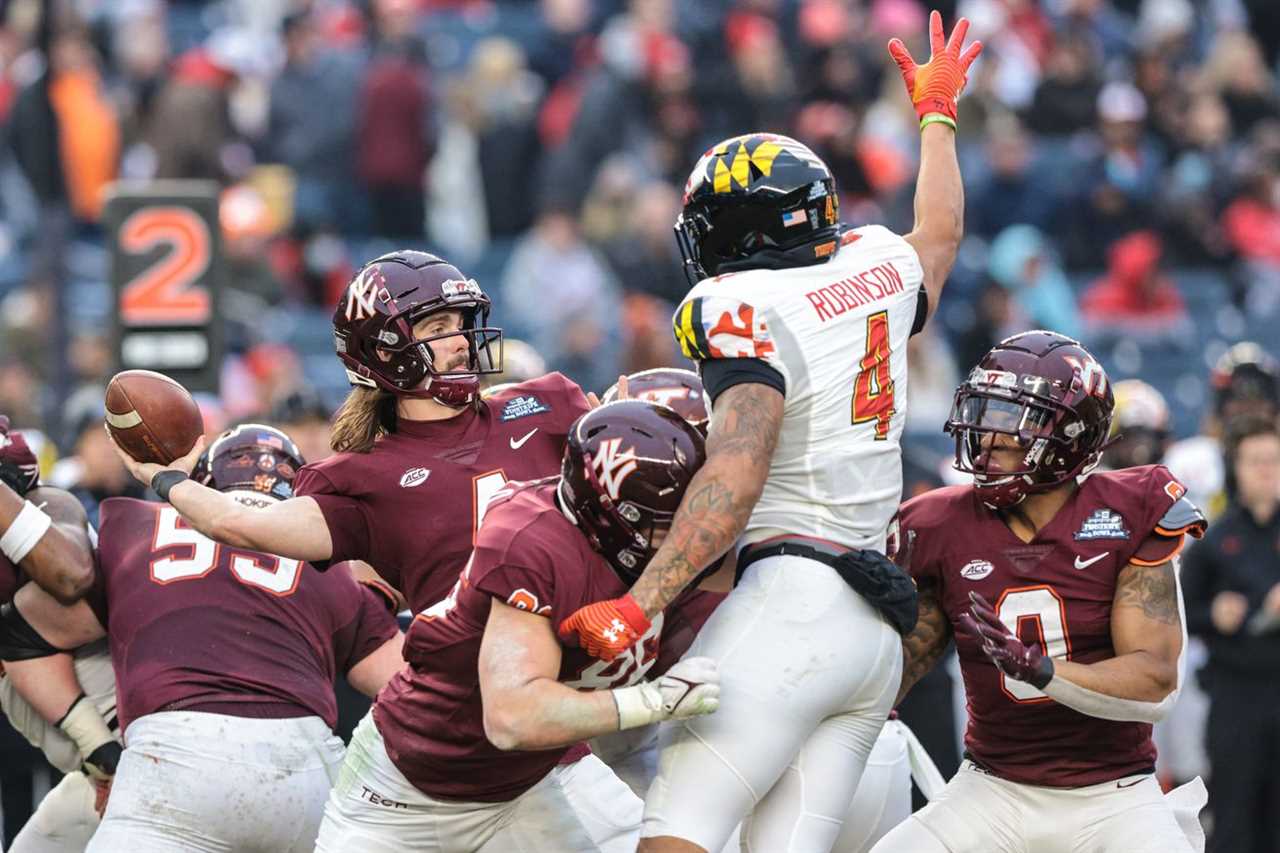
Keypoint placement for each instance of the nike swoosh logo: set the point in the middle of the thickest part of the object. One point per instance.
(516, 444)
(1131, 784)
(1084, 564)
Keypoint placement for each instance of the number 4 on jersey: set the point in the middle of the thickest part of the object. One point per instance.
(873, 386)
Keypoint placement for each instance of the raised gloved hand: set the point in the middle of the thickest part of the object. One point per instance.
(935, 87)
(19, 469)
(98, 747)
(606, 629)
(1014, 658)
(691, 688)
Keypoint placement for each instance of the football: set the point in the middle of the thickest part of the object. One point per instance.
(151, 417)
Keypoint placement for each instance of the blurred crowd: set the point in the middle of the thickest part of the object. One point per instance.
(1122, 163)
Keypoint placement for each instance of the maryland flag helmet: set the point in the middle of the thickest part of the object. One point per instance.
(759, 200)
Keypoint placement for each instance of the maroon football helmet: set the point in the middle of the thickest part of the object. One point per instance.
(250, 458)
(1046, 391)
(626, 466)
(373, 328)
(669, 386)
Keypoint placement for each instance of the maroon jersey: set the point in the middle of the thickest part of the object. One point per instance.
(410, 506)
(1057, 589)
(198, 626)
(529, 555)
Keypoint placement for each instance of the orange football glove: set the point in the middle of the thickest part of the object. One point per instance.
(935, 86)
(606, 629)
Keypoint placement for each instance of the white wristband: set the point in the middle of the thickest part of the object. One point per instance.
(24, 532)
(638, 706)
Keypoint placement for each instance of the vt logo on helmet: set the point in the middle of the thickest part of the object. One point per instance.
(1042, 395)
(373, 329)
(626, 466)
(759, 200)
(674, 387)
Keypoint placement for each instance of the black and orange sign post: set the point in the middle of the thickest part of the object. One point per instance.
(166, 273)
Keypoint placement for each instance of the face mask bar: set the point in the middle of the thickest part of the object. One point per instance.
(484, 343)
(690, 229)
(978, 417)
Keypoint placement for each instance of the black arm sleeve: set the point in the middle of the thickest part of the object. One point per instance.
(18, 640)
(922, 311)
(721, 374)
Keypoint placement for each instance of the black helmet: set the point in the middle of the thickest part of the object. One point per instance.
(759, 199)
(1247, 376)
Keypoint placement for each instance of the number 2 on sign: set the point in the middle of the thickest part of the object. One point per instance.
(167, 291)
(873, 386)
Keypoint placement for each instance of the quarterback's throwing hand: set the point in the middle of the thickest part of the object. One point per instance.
(606, 629)
(691, 688)
(935, 87)
(1014, 658)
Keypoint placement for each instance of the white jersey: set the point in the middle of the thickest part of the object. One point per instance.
(837, 333)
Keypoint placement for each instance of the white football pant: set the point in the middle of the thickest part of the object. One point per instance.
(882, 801)
(980, 813)
(808, 673)
(373, 808)
(64, 821)
(213, 783)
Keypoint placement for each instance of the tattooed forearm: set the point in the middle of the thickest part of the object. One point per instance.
(715, 509)
(1152, 588)
(926, 643)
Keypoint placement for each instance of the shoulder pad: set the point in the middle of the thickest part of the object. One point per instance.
(721, 326)
(1182, 517)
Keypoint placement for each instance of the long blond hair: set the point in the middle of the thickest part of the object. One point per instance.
(366, 414)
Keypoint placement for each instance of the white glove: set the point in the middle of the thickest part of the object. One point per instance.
(691, 688)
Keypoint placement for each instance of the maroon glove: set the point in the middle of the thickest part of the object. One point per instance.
(1013, 657)
(19, 469)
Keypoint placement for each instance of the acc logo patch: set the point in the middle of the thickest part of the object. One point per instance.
(414, 477)
(523, 407)
(1102, 524)
(976, 570)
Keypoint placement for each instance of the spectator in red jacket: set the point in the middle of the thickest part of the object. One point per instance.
(1134, 296)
